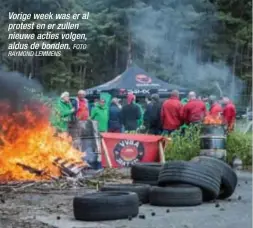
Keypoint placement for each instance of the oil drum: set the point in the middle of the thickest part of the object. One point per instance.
(213, 141)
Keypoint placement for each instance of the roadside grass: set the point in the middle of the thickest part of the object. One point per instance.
(188, 146)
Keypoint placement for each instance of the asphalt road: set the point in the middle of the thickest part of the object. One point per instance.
(233, 213)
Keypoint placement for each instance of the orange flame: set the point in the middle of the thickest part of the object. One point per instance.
(28, 138)
(213, 119)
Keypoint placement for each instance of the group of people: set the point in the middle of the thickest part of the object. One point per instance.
(173, 114)
(159, 117)
(112, 118)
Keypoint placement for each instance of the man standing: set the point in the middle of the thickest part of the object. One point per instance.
(114, 116)
(140, 120)
(205, 100)
(229, 113)
(81, 106)
(147, 113)
(100, 113)
(171, 113)
(194, 111)
(152, 117)
(215, 107)
(130, 114)
(62, 112)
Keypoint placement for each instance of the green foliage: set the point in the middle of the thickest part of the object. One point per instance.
(188, 146)
(241, 145)
(184, 147)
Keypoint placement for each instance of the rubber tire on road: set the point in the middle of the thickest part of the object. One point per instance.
(106, 206)
(145, 171)
(152, 183)
(140, 189)
(175, 196)
(228, 176)
(196, 174)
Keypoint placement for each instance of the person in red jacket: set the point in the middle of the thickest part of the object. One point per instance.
(82, 106)
(229, 113)
(194, 111)
(215, 109)
(171, 113)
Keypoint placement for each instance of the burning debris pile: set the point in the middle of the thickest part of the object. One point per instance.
(29, 149)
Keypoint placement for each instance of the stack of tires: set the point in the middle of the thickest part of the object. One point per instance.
(175, 183)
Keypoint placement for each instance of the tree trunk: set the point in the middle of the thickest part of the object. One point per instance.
(233, 75)
(83, 75)
(116, 60)
(129, 50)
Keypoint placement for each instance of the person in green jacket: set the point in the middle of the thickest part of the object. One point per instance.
(206, 100)
(100, 114)
(184, 101)
(62, 112)
(140, 121)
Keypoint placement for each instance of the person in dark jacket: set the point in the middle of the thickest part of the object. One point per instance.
(114, 116)
(171, 113)
(152, 115)
(130, 114)
(194, 111)
(148, 110)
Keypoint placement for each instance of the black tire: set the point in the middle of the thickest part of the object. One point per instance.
(228, 176)
(106, 206)
(141, 190)
(175, 196)
(145, 171)
(195, 174)
(151, 183)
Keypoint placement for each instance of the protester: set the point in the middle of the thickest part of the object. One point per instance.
(99, 113)
(62, 112)
(94, 104)
(148, 110)
(148, 100)
(205, 100)
(215, 107)
(130, 114)
(184, 101)
(140, 120)
(171, 113)
(114, 116)
(81, 106)
(229, 113)
(152, 118)
(194, 111)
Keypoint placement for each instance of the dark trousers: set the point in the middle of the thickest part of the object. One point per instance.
(115, 130)
(168, 132)
(154, 131)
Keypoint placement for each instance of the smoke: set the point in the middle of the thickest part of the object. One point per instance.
(17, 91)
(171, 36)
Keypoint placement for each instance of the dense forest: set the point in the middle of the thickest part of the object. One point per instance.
(200, 44)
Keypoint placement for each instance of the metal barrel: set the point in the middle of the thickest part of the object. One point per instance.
(87, 138)
(213, 141)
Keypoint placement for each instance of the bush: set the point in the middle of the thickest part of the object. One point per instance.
(187, 146)
(241, 145)
(184, 147)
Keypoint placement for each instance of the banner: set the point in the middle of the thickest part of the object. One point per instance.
(124, 150)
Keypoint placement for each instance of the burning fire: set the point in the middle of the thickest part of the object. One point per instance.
(213, 120)
(28, 140)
